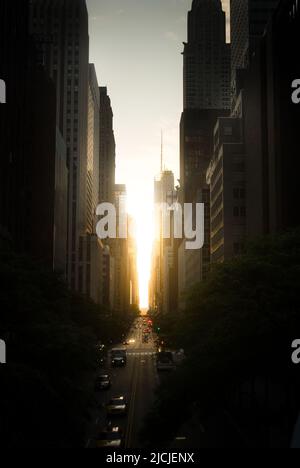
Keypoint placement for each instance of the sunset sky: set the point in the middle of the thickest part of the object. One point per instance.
(136, 46)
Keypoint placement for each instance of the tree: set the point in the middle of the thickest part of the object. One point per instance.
(238, 324)
(47, 385)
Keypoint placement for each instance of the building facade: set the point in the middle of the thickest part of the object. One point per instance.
(249, 19)
(272, 143)
(107, 149)
(60, 29)
(119, 252)
(163, 287)
(206, 58)
(226, 176)
(33, 172)
(91, 258)
(92, 182)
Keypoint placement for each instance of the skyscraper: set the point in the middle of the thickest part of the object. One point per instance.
(132, 265)
(119, 249)
(14, 42)
(226, 177)
(60, 28)
(93, 135)
(91, 250)
(206, 97)
(206, 58)
(107, 150)
(272, 144)
(33, 172)
(163, 297)
(107, 170)
(249, 19)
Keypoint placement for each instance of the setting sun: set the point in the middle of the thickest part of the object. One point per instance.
(140, 206)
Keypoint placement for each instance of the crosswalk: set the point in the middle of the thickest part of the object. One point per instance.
(140, 353)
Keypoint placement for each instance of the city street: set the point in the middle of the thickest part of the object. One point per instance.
(149, 226)
(137, 382)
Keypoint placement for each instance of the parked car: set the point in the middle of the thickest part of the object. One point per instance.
(110, 437)
(103, 382)
(165, 361)
(117, 406)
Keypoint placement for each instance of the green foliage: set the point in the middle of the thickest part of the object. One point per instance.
(239, 323)
(47, 387)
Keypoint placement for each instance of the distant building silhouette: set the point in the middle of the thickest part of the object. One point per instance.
(249, 19)
(91, 249)
(163, 287)
(134, 297)
(272, 123)
(226, 177)
(196, 151)
(61, 31)
(206, 58)
(33, 173)
(119, 250)
(107, 149)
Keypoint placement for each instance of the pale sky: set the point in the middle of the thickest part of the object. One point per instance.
(136, 46)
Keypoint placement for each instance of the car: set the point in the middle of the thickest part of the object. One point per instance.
(165, 361)
(110, 437)
(103, 382)
(117, 406)
(118, 357)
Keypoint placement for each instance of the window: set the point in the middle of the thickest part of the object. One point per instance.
(236, 211)
(239, 193)
(243, 211)
(236, 193)
(239, 211)
(237, 248)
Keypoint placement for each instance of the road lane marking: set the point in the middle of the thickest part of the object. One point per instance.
(130, 404)
(131, 414)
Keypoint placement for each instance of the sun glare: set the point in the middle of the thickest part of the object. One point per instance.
(140, 206)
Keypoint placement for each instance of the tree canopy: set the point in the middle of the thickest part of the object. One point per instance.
(47, 386)
(238, 324)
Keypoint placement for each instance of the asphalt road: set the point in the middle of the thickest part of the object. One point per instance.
(137, 382)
